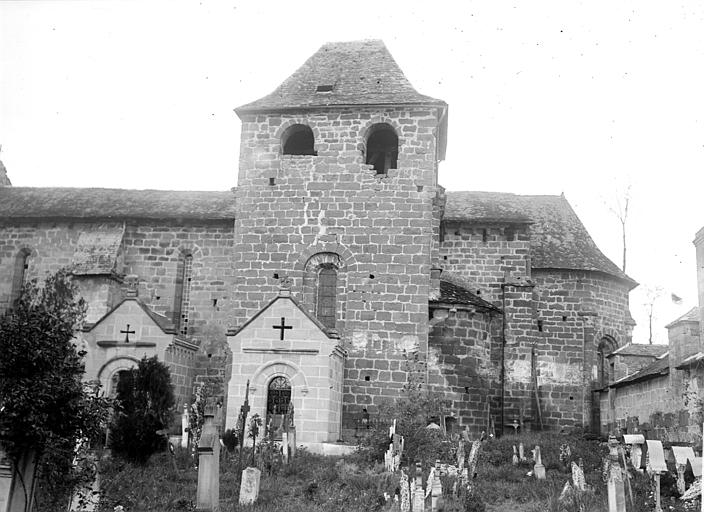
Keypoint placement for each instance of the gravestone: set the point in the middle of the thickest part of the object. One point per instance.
(184, 427)
(615, 483)
(436, 489)
(208, 493)
(249, 488)
(539, 468)
(636, 441)
(682, 455)
(418, 495)
(578, 481)
(521, 452)
(405, 493)
(656, 465)
(514, 459)
(695, 466)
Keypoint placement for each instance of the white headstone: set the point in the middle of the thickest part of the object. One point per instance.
(615, 489)
(249, 488)
(633, 438)
(682, 454)
(538, 469)
(184, 427)
(521, 452)
(656, 457)
(405, 493)
(580, 484)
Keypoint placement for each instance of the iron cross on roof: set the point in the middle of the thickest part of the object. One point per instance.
(282, 327)
(127, 333)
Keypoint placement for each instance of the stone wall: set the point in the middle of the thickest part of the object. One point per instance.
(699, 244)
(152, 251)
(464, 363)
(656, 405)
(181, 365)
(290, 208)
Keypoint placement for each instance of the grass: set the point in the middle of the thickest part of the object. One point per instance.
(325, 484)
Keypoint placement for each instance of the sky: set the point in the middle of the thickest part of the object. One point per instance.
(591, 99)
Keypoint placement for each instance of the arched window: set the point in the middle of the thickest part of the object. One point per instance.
(182, 296)
(20, 273)
(604, 370)
(382, 148)
(327, 295)
(298, 139)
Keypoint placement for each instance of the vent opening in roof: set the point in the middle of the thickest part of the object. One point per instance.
(323, 88)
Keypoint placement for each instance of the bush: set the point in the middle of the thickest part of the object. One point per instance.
(45, 406)
(144, 401)
(412, 412)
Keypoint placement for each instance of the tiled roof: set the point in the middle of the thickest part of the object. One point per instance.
(559, 240)
(658, 368)
(110, 203)
(360, 73)
(452, 293)
(640, 349)
(690, 316)
(693, 360)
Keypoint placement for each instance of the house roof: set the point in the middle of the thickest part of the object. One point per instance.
(690, 316)
(112, 203)
(640, 349)
(453, 293)
(360, 73)
(559, 240)
(660, 367)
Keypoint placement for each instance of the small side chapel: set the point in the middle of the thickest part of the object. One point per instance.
(289, 357)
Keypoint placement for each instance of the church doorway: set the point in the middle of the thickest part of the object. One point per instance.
(277, 403)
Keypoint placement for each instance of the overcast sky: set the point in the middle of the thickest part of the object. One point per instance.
(583, 98)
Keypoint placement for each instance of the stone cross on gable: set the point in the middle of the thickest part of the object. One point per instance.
(127, 333)
(283, 327)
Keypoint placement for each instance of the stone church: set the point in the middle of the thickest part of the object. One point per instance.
(337, 269)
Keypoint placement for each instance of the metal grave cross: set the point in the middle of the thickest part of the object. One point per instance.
(282, 327)
(127, 333)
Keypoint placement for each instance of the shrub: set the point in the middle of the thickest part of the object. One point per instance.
(412, 412)
(45, 406)
(144, 401)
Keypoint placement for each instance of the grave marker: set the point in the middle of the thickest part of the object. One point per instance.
(418, 495)
(656, 465)
(636, 441)
(539, 468)
(405, 493)
(615, 485)
(208, 492)
(521, 452)
(436, 489)
(514, 459)
(249, 488)
(184, 427)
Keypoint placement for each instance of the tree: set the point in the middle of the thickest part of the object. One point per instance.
(144, 403)
(620, 210)
(44, 406)
(652, 295)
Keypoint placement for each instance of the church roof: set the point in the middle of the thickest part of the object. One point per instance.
(559, 240)
(690, 316)
(453, 293)
(112, 203)
(342, 74)
(657, 369)
(640, 349)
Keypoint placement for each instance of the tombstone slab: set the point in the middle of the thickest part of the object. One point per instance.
(656, 457)
(249, 488)
(682, 454)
